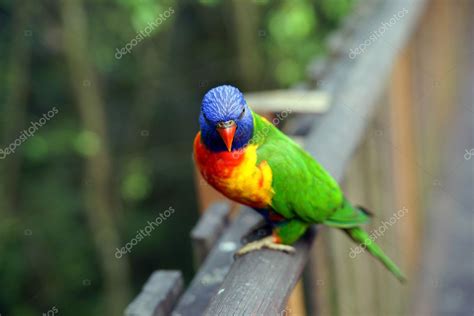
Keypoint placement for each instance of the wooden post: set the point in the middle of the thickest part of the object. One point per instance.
(158, 296)
(209, 228)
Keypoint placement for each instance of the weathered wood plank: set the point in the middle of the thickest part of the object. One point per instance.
(208, 230)
(258, 282)
(213, 270)
(158, 296)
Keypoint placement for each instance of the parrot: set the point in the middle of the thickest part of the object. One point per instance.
(252, 162)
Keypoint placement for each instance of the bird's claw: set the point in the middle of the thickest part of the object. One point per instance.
(267, 243)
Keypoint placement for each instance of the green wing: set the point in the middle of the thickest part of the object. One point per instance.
(347, 216)
(303, 189)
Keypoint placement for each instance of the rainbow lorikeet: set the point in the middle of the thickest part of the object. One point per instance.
(250, 161)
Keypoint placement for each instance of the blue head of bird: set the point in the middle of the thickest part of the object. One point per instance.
(226, 120)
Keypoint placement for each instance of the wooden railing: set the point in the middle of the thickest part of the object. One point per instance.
(260, 282)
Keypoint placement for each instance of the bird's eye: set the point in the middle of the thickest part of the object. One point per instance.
(242, 114)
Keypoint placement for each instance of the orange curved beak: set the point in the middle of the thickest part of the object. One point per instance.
(227, 131)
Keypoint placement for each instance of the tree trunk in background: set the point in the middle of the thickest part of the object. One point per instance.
(245, 20)
(98, 197)
(14, 113)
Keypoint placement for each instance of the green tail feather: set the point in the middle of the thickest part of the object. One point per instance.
(361, 237)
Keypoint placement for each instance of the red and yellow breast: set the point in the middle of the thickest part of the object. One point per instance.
(236, 174)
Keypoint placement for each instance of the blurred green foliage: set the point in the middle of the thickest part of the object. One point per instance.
(151, 95)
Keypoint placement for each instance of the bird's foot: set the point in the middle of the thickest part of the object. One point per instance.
(267, 242)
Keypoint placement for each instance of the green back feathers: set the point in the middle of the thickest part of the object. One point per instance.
(302, 187)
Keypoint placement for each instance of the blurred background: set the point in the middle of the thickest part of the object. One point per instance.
(99, 103)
